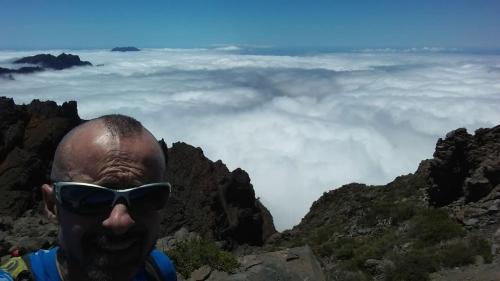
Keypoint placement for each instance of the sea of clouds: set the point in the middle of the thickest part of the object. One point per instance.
(299, 125)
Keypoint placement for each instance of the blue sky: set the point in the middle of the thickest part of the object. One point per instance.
(31, 24)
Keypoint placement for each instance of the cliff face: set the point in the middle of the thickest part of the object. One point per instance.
(207, 197)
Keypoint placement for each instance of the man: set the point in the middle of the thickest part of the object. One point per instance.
(108, 185)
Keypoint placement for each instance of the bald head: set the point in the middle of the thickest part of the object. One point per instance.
(113, 149)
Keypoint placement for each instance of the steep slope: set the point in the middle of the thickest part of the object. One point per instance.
(442, 216)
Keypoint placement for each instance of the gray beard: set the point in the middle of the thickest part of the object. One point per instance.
(99, 269)
(96, 271)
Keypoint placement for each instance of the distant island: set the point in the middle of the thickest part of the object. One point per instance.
(125, 49)
(45, 61)
(60, 62)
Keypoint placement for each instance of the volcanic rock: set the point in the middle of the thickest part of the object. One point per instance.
(207, 198)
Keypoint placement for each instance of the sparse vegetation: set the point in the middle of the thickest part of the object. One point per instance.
(191, 255)
(432, 226)
(418, 240)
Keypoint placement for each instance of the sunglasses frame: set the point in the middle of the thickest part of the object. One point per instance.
(118, 193)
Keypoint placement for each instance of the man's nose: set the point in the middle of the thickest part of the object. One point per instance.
(119, 220)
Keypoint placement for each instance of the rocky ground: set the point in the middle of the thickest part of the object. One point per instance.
(440, 223)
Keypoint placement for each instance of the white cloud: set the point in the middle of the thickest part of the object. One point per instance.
(299, 125)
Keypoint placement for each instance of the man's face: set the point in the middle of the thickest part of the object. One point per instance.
(114, 244)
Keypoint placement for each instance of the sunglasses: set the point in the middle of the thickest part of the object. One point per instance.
(90, 199)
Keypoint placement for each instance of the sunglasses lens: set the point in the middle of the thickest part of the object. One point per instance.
(152, 197)
(85, 199)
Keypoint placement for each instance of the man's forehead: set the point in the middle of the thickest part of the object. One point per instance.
(96, 140)
(92, 148)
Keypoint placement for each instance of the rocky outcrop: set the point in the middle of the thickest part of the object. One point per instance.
(465, 178)
(29, 135)
(60, 62)
(125, 49)
(207, 197)
(465, 166)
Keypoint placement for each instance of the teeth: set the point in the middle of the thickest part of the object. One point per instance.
(117, 246)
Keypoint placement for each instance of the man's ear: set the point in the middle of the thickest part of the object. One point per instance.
(50, 205)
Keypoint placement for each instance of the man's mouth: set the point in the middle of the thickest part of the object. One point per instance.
(116, 245)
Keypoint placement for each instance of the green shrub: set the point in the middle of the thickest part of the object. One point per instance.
(463, 252)
(455, 254)
(413, 266)
(191, 255)
(344, 248)
(433, 226)
(480, 246)
(375, 247)
(418, 263)
(397, 212)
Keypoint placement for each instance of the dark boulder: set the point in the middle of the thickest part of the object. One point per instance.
(125, 49)
(60, 62)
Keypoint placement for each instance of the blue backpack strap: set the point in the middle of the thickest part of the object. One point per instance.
(43, 265)
(164, 265)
